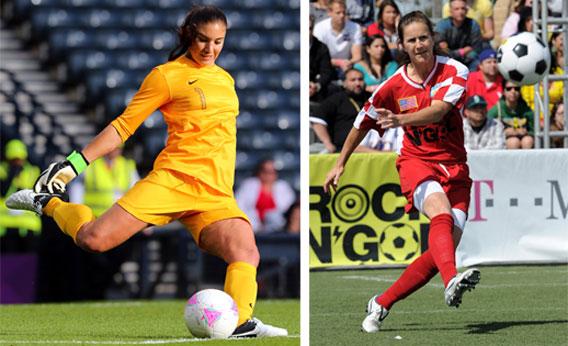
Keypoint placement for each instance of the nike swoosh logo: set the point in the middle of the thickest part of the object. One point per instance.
(190, 82)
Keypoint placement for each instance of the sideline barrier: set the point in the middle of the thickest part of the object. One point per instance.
(518, 211)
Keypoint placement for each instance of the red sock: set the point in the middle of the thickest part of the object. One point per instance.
(441, 245)
(416, 275)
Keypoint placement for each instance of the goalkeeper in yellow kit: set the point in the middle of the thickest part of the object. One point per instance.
(192, 179)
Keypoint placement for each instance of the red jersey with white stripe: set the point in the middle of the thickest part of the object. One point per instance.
(438, 142)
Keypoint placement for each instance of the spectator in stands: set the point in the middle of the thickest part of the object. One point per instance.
(386, 25)
(319, 10)
(293, 224)
(104, 182)
(265, 198)
(487, 81)
(555, 88)
(192, 178)
(516, 116)
(361, 12)
(333, 120)
(342, 37)
(460, 36)
(557, 124)
(556, 45)
(18, 229)
(525, 20)
(321, 71)
(555, 7)
(99, 187)
(482, 12)
(377, 64)
(479, 131)
(510, 27)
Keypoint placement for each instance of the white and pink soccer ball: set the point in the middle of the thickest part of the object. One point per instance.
(212, 314)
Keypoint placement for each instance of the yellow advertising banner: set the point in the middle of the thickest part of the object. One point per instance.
(363, 222)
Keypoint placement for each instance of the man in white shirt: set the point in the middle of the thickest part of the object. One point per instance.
(342, 37)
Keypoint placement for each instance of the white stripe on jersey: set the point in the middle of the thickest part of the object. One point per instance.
(318, 120)
(359, 119)
(461, 69)
(454, 93)
(440, 85)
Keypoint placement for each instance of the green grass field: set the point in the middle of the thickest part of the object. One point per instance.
(512, 305)
(128, 323)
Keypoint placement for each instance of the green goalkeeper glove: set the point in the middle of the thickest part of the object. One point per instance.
(56, 177)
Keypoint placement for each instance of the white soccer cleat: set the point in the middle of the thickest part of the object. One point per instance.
(29, 200)
(254, 328)
(376, 313)
(459, 284)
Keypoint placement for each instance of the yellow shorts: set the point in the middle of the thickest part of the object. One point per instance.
(164, 196)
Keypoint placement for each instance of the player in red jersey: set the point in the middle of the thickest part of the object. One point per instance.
(425, 97)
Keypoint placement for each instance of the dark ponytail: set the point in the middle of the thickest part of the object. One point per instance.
(188, 30)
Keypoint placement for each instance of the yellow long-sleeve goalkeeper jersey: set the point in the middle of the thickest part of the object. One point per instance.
(200, 107)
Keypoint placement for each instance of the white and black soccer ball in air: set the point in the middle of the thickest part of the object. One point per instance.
(524, 59)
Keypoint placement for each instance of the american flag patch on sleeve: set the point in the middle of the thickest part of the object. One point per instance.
(407, 103)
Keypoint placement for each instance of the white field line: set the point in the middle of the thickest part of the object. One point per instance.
(481, 285)
(438, 311)
(116, 342)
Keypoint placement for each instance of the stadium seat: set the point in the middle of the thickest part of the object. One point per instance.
(246, 160)
(100, 82)
(292, 140)
(123, 3)
(254, 4)
(274, 61)
(287, 80)
(141, 59)
(246, 79)
(267, 140)
(117, 39)
(286, 160)
(287, 40)
(81, 60)
(239, 19)
(248, 120)
(181, 4)
(155, 121)
(61, 40)
(233, 61)
(100, 18)
(81, 3)
(157, 39)
(277, 20)
(283, 120)
(143, 18)
(44, 18)
(116, 102)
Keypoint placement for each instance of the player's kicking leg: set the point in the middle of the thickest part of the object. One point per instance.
(233, 241)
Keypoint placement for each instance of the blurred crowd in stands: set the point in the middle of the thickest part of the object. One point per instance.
(353, 48)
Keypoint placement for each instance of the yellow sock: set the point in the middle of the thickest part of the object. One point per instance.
(240, 283)
(68, 216)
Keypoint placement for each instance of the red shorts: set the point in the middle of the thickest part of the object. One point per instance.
(453, 177)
